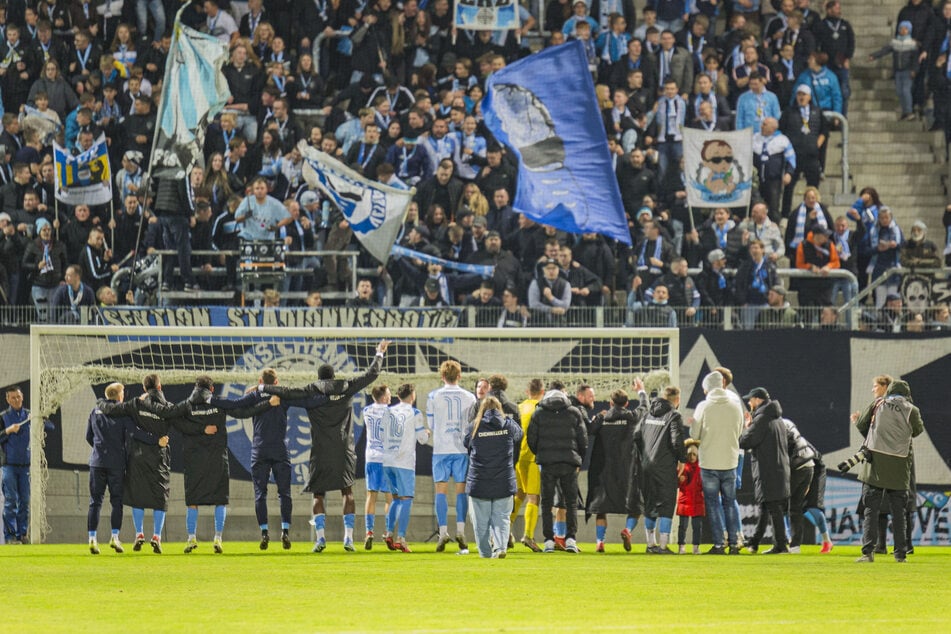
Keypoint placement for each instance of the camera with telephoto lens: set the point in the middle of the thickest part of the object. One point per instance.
(862, 455)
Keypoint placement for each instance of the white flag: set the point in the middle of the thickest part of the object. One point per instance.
(375, 211)
(718, 167)
(194, 91)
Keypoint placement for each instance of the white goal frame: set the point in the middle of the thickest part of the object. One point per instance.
(43, 405)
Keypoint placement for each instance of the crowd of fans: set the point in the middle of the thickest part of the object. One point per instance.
(394, 91)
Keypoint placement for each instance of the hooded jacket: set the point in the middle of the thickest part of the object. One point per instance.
(556, 431)
(766, 439)
(493, 449)
(662, 435)
(329, 405)
(888, 425)
(801, 452)
(614, 472)
(718, 423)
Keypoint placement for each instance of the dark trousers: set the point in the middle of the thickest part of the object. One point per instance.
(874, 499)
(808, 168)
(261, 471)
(101, 478)
(771, 513)
(696, 524)
(771, 191)
(177, 235)
(566, 477)
(799, 481)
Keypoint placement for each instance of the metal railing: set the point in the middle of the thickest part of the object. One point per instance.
(221, 271)
(846, 187)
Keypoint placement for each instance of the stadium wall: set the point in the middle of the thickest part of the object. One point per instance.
(819, 378)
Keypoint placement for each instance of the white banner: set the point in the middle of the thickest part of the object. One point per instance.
(486, 15)
(718, 167)
(375, 211)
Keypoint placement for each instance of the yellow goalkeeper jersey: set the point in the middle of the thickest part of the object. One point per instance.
(525, 410)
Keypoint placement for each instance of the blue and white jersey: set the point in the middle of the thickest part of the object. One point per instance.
(403, 428)
(374, 418)
(447, 410)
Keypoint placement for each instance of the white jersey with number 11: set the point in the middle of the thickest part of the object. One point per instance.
(447, 410)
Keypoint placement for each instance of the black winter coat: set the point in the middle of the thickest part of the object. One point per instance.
(662, 436)
(766, 439)
(207, 474)
(148, 470)
(614, 471)
(556, 432)
(329, 405)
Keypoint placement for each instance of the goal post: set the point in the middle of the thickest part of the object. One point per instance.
(70, 364)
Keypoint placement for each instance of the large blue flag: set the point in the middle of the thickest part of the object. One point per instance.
(544, 109)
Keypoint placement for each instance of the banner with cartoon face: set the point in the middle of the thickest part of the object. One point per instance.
(718, 168)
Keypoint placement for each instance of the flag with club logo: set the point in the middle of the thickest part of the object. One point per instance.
(565, 176)
(84, 179)
(375, 211)
(193, 92)
(478, 15)
(718, 167)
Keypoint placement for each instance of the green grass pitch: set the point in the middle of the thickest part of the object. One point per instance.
(60, 588)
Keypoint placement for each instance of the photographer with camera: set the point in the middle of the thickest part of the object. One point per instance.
(888, 425)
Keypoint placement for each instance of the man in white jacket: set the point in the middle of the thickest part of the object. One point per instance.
(718, 422)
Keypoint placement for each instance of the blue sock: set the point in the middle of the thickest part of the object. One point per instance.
(285, 526)
(631, 523)
(462, 507)
(191, 520)
(442, 510)
(92, 534)
(348, 520)
(406, 506)
(665, 523)
(561, 528)
(649, 523)
(138, 519)
(319, 521)
(817, 519)
(786, 526)
(115, 532)
(394, 509)
(263, 527)
(370, 522)
(158, 521)
(600, 532)
(221, 512)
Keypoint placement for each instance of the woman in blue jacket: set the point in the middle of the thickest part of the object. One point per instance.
(493, 447)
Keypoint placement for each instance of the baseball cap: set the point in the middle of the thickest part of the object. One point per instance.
(804, 88)
(716, 255)
(757, 392)
(480, 221)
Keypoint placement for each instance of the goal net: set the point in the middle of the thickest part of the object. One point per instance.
(72, 364)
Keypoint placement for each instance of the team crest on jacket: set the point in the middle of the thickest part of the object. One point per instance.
(302, 357)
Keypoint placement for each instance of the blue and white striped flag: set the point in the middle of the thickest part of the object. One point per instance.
(374, 210)
(194, 91)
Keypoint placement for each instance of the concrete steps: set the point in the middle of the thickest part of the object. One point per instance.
(900, 159)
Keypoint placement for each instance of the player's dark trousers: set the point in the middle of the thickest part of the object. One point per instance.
(565, 476)
(100, 479)
(799, 481)
(771, 513)
(261, 471)
(874, 499)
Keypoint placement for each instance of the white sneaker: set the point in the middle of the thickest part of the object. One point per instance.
(571, 545)
(549, 546)
(93, 546)
(696, 550)
(216, 545)
(115, 544)
(682, 550)
(794, 550)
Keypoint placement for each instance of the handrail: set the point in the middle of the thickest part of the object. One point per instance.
(844, 126)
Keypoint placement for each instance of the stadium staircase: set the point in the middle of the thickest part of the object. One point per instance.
(902, 160)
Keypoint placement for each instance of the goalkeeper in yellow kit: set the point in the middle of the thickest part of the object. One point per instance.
(526, 470)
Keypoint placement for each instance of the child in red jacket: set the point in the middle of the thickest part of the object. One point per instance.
(690, 509)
